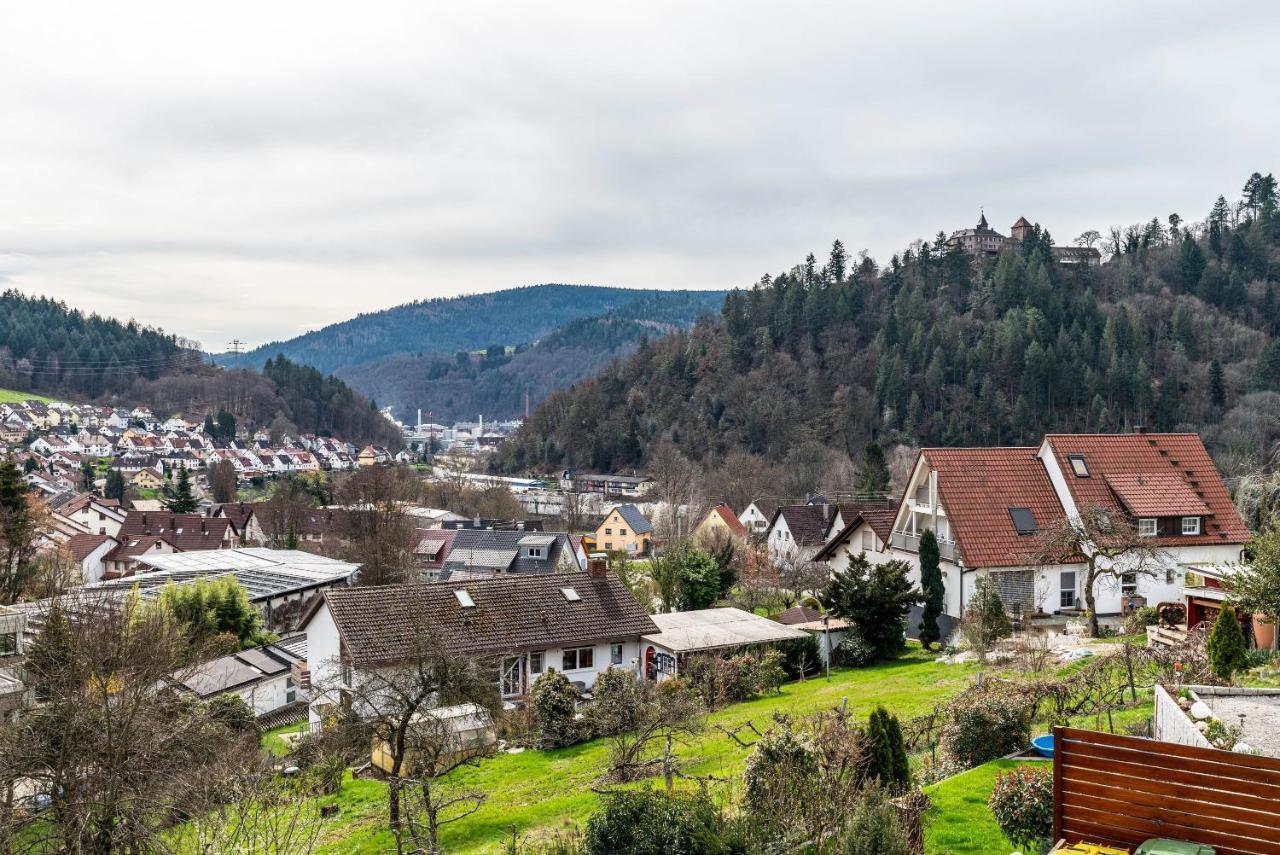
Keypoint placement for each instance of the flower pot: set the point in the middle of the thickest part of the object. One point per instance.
(1264, 633)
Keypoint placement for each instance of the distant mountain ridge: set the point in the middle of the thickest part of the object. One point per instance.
(467, 323)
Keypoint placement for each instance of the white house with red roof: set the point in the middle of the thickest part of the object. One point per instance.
(987, 505)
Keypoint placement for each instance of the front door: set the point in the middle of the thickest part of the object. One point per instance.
(513, 677)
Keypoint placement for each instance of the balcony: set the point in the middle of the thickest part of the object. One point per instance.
(911, 543)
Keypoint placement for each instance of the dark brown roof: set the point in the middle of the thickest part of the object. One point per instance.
(382, 625)
(879, 515)
(807, 523)
(185, 532)
(80, 546)
(238, 512)
(798, 614)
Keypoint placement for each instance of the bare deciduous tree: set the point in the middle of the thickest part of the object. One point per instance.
(1108, 545)
(380, 531)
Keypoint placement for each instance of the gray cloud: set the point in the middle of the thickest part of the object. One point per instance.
(268, 168)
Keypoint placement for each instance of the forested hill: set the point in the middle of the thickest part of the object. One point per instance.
(473, 322)
(1176, 330)
(496, 381)
(50, 349)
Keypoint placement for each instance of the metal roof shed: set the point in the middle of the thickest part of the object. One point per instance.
(716, 629)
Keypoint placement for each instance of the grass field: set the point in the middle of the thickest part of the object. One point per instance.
(9, 396)
(959, 822)
(544, 790)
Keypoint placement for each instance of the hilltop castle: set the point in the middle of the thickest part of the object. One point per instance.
(983, 240)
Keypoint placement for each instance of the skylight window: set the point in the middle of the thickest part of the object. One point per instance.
(464, 599)
(1078, 466)
(570, 594)
(1023, 521)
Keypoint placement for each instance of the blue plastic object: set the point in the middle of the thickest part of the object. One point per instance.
(1043, 745)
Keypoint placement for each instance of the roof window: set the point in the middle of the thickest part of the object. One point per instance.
(464, 599)
(1078, 466)
(570, 594)
(1023, 520)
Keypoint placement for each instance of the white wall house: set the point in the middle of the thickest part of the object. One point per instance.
(756, 517)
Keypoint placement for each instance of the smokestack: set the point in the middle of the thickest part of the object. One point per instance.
(598, 565)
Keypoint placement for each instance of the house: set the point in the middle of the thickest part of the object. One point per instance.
(263, 677)
(984, 241)
(797, 532)
(865, 528)
(577, 623)
(122, 559)
(244, 518)
(986, 507)
(476, 552)
(431, 552)
(13, 693)
(683, 634)
(720, 523)
(90, 552)
(634, 486)
(185, 532)
(90, 513)
(626, 529)
(147, 479)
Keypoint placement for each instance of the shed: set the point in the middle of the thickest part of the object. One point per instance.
(705, 630)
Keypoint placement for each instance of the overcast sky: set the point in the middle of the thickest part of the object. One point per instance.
(254, 170)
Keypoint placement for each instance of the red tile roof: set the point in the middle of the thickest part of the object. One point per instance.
(730, 519)
(978, 486)
(81, 546)
(1180, 454)
(1159, 494)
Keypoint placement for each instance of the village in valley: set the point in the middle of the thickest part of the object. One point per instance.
(577, 429)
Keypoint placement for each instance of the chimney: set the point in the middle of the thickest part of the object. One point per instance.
(1139, 428)
(598, 565)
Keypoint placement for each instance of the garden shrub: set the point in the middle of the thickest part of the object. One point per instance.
(1227, 651)
(618, 695)
(853, 652)
(554, 702)
(1022, 804)
(1139, 619)
(873, 829)
(801, 656)
(728, 679)
(231, 710)
(779, 770)
(651, 822)
(983, 725)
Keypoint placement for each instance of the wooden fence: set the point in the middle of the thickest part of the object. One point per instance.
(1122, 790)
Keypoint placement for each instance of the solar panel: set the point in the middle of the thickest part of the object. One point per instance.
(1023, 521)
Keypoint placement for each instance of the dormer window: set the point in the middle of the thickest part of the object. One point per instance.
(1147, 527)
(1190, 525)
(1078, 466)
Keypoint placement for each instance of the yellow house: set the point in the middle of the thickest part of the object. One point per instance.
(625, 528)
(368, 456)
(719, 523)
(147, 479)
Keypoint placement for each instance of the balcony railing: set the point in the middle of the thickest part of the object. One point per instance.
(911, 543)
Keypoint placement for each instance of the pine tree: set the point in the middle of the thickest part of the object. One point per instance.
(1217, 386)
(886, 753)
(1191, 262)
(114, 488)
(931, 583)
(873, 483)
(1227, 652)
(18, 533)
(181, 499)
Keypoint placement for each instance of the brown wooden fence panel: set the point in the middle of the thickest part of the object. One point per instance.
(1122, 790)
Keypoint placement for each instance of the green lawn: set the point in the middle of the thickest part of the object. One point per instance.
(272, 742)
(543, 790)
(959, 822)
(9, 396)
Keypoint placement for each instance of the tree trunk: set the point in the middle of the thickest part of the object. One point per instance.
(1090, 605)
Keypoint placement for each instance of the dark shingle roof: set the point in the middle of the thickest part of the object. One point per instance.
(639, 522)
(383, 625)
(807, 523)
(184, 532)
(494, 551)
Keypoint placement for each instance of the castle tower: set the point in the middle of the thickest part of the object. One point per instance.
(1020, 230)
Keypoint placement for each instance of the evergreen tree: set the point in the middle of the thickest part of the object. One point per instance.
(1191, 263)
(210, 428)
(931, 583)
(1217, 386)
(18, 533)
(886, 754)
(181, 498)
(114, 488)
(873, 480)
(876, 599)
(226, 426)
(1227, 651)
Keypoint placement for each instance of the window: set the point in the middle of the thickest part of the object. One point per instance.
(608, 546)
(615, 653)
(608, 531)
(290, 693)
(1190, 525)
(464, 599)
(1129, 584)
(1078, 466)
(347, 676)
(580, 657)
(1023, 521)
(1067, 592)
(570, 595)
(535, 661)
(1147, 527)
(622, 532)
(535, 552)
(868, 540)
(8, 644)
